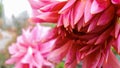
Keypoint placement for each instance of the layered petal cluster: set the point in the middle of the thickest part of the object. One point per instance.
(46, 10)
(29, 51)
(86, 30)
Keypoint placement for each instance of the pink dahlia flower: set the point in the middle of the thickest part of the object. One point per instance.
(29, 51)
(86, 30)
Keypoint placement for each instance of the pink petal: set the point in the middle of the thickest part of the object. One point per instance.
(57, 55)
(39, 32)
(28, 56)
(67, 6)
(13, 49)
(101, 61)
(117, 29)
(55, 6)
(93, 23)
(116, 2)
(107, 50)
(51, 17)
(92, 60)
(79, 10)
(46, 47)
(72, 65)
(58, 43)
(38, 60)
(35, 4)
(19, 65)
(71, 18)
(80, 23)
(60, 21)
(99, 6)
(71, 61)
(66, 19)
(92, 50)
(92, 41)
(118, 44)
(87, 14)
(48, 17)
(52, 34)
(106, 17)
(112, 62)
(103, 36)
(12, 60)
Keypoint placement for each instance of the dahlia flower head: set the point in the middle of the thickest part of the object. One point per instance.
(29, 51)
(85, 31)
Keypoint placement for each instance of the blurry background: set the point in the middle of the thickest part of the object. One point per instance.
(14, 15)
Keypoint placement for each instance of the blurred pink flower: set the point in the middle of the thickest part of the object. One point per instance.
(86, 30)
(29, 51)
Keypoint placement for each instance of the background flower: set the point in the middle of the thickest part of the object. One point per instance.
(29, 51)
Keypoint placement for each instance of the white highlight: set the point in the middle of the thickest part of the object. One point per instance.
(15, 7)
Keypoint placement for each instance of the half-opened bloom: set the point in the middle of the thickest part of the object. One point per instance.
(29, 51)
(86, 30)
